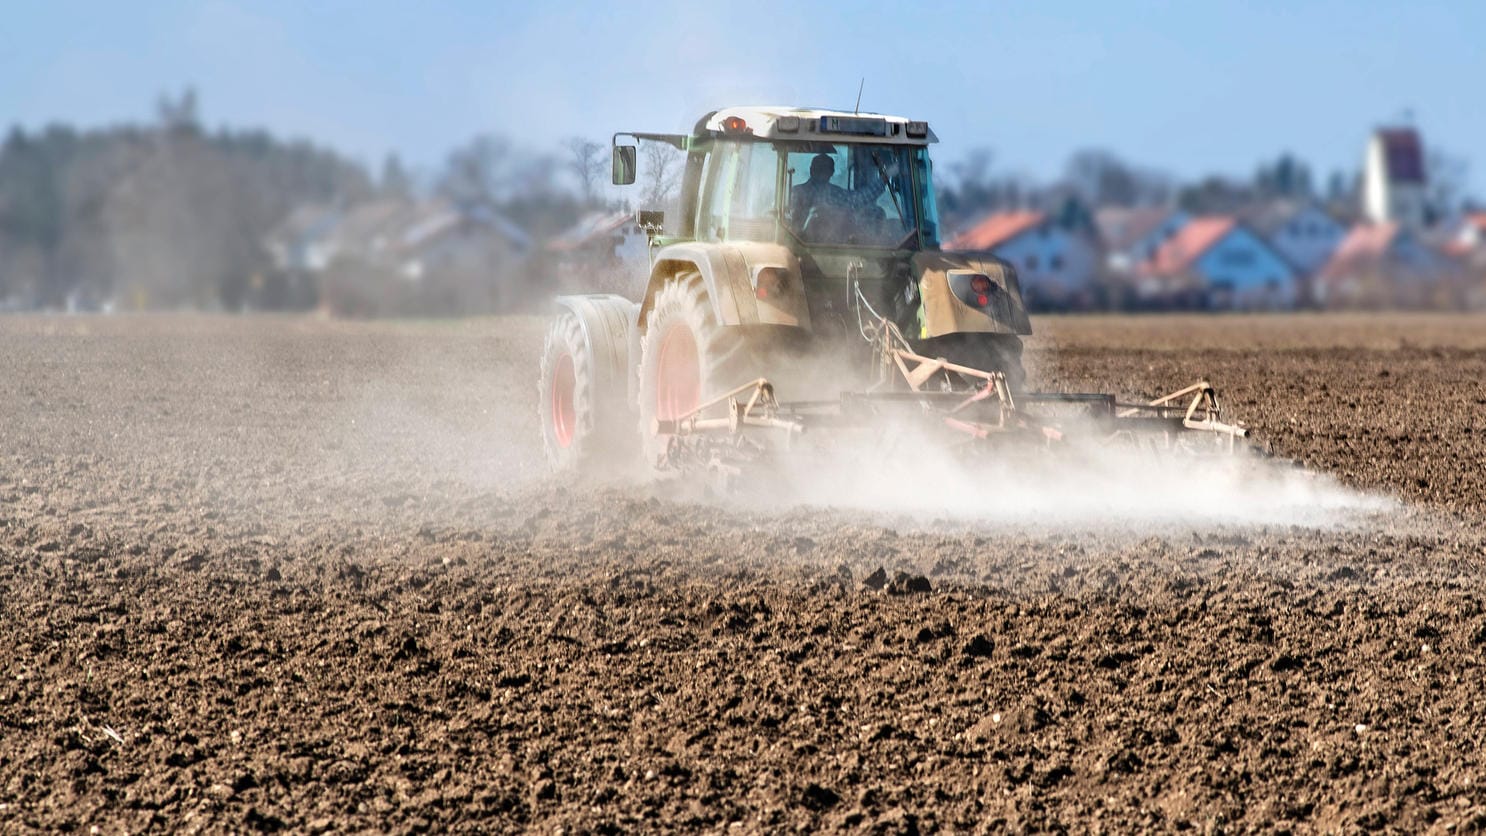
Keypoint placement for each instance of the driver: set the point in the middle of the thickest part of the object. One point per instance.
(816, 192)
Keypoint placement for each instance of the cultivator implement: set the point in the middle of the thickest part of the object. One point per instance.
(966, 405)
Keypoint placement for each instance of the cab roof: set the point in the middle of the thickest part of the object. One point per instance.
(802, 123)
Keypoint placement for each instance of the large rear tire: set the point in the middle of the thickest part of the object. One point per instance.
(567, 400)
(687, 358)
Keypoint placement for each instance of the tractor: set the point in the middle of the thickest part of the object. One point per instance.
(803, 236)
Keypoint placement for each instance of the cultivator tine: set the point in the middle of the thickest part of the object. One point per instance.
(719, 436)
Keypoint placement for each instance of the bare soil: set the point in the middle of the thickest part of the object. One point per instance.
(268, 574)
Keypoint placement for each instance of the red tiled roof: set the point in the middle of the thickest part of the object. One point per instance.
(1477, 220)
(995, 229)
(1187, 245)
(1365, 244)
(1457, 249)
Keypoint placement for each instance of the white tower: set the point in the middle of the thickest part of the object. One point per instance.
(1393, 178)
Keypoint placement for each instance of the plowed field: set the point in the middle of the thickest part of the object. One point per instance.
(264, 574)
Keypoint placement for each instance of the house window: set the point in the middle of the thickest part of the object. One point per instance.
(1055, 263)
(1238, 258)
(1031, 262)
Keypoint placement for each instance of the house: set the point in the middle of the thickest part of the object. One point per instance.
(461, 260)
(1217, 262)
(1385, 266)
(1130, 236)
(604, 252)
(1470, 234)
(1056, 260)
(299, 243)
(1393, 178)
(366, 231)
(603, 236)
(1303, 232)
(424, 258)
(298, 250)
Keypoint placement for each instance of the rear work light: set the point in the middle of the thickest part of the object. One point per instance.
(771, 283)
(974, 289)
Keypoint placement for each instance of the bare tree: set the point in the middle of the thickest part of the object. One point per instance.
(1103, 179)
(586, 162)
(478, 174)
(395, 182)
(975, 169)
(662, 174)
(1448, 177)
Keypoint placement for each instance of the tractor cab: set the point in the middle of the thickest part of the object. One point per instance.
(848, 197)
(820, 192)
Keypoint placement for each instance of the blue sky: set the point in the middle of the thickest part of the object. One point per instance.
(1188, 87)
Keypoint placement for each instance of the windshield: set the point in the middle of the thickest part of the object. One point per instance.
(870, 195)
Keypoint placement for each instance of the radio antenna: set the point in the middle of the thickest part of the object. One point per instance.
(858, 108)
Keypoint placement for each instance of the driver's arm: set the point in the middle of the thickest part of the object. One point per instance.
(799, 204)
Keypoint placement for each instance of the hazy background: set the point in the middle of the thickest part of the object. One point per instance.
(181, 154)
(1193, 87)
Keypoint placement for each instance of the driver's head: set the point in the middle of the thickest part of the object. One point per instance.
(822, 167)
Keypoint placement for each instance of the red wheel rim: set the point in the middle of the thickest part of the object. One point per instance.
(678, 374)
(564, 416)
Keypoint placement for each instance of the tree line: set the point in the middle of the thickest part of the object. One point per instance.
(168, 214)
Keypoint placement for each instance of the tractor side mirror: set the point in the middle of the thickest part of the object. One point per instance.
(624, 165)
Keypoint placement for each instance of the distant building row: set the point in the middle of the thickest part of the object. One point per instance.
(1278, 255)
(1287, 256)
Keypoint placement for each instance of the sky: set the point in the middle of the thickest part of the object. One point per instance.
(1184, 87)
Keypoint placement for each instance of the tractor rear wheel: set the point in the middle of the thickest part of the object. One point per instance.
(687, 358)
(566, 402)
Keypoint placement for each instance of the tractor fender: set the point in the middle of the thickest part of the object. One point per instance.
(612, 339)
(945, 313)
(730, 272)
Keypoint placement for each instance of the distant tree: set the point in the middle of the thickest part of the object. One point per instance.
(179, 115)
(1215, 195)
(1102, 179)
(1448, 179)
(489, 174)
(660, 174)
(155, 215)
(586, 162)
(478, 174)
(1338, 187)
(1286, 177)
(968, 189)
(395, 182)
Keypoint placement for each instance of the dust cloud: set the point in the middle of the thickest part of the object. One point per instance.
(1072, 485)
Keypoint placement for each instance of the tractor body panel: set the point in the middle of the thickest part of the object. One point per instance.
(732, 272)
(946, 312)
